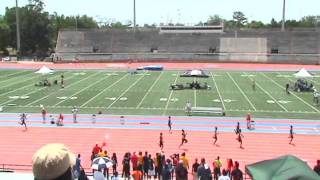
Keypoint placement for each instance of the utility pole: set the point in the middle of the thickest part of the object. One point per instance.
(18, 29)
(134, 15)
(283, 16)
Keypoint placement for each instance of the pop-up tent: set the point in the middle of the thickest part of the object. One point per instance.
(283, 168)
(303, 73)
(44, 70)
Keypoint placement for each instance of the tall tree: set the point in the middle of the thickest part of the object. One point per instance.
(215, 20)
(4, 34)
(239, 18)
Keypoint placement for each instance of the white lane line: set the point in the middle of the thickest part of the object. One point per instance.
(104, 90)
(168, 100)
(44, 97)
(17, 82)
(149, 90)
(221, 99)
(246, 97)
(83, 88)
(126, 91)
(291, 93)
(28, 93)
(274, 99)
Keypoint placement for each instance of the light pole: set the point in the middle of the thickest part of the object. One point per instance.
(283, 16)
(134, 15)
(18, 29)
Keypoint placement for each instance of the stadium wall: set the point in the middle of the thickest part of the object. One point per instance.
(268, 46)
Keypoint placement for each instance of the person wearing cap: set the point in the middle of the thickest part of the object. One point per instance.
(317, 167)
(53, 162)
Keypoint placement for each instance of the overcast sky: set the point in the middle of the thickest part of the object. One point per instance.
(182, 11)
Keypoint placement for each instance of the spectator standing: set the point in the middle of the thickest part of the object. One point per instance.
(75, 114)
(217, 171)
(93, 118)
(229, 166)
(204, 172)
(77, 167)
(115, 163)
(136, 174)
(44, 114)
(195, 169)
(126, 166)
(317, 167)
(224, 175)
(134, 160)
(185, 160)
(98, 175)
(60, 120)
(145, 164)
(151, 168)
(140, 162)
(96, 149)
(181, 172)
(236, 174)
(166, 172)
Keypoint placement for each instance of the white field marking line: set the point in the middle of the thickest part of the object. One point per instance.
(291, 93)
(70, 85)
(106, 77)
(215, 84)
(104, 90)
(27, 93)
(7, 75)
(194, 95)
(44, 97)
(242, 91)
(17, 82)
(126, 91)
(168, 100)
(149, 90)
(268, 93)
(153, 108)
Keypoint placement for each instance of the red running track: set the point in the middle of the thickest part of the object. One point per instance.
(18, 146)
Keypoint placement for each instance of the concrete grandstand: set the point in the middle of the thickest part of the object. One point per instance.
(268, 46)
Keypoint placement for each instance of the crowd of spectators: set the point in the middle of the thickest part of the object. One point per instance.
(145, 166)
(56, 162)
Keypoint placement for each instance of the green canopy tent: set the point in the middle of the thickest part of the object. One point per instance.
(283, 168)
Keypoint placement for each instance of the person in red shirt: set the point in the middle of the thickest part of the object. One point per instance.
(96, 149)
(60, 120)
(134, 160)
(229, 166)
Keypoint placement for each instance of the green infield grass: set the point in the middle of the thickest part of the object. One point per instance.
(149, 93)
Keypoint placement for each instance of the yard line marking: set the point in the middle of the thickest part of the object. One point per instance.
(29, 92)
(168, 100)
(104, 90)
(268, 94)
(215, 84)
(70, 85)
(106, 77)
(8, 75)
(242, 91)
(126, 91)
(291, 93)
(44, 97)
(17, 82)
(149, 90)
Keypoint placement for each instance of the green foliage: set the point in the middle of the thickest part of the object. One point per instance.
(239, 18)
(4, 34)
(215, 20)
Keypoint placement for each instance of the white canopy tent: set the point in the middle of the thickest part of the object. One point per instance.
(44, 70)
(196, 73)
(303, 73)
